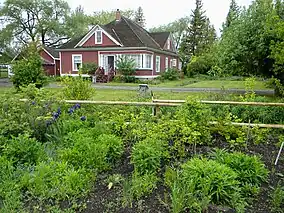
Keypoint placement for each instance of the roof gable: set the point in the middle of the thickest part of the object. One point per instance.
(92, 32)
(52, 52)
(161, 37)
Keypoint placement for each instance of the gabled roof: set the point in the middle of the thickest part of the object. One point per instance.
(161, 37)
(127, 33)
(53, 52)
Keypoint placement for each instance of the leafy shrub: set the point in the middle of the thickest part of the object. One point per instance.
(28, 69)
(201, 64)
(251, 172)
(170, 74)
(147, 156)
(24, 150)
(10, 194)
(89, 68)
(56, 180)
(277, 199)
(126, 68)
(114, 146)
(77, 88)
(142, 185)
(210, 181)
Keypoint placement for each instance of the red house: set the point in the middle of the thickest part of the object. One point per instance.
(50, 60)
(152, 52)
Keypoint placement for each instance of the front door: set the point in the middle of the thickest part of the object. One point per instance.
(110, 63)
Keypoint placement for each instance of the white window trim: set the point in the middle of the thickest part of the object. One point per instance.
(174, 62)
(168, 44)
(74, 55)
(96, 33)
(144, 62)
(166, 63)
(158, 59)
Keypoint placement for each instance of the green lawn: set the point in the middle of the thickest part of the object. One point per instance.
(3, 73)
(195, 83)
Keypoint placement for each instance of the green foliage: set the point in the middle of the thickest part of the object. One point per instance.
(201, 182)
(142, 185)
(28, 70)
(23, 150)
(277, 199)
(89, 151)
(147, 156)
(251, 172)
(171, 74)
(56, 180)
(77, 88)
(126, 66)
(89, 68)
(201, 65)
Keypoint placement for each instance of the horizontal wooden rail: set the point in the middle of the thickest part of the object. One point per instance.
(276, 126)
(223, 102)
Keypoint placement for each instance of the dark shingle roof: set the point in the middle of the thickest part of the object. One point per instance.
(161, 37)
(52, 51)
(129, 34)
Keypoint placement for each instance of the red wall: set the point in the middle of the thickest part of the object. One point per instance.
(49, 69)
(46, 56)
(66, 60)
(163, 62)
(106, 42)
(57, 67)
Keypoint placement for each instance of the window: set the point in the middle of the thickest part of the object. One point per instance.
(98, 37)
(166, 63)
(148, 61)
(174, 62)
(158, 63)
(76, 62)
(168, 44)
(137, 59)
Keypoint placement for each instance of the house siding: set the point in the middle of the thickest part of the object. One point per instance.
(46, 56)
(48, 69)
(105, 42)
(57, 67)
(66, 60)
(163, 62)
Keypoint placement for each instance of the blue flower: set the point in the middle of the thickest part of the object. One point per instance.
(55, 115)
(33, 103)
(70, 111)
(83, 118)
(59, 110)
(77, 106)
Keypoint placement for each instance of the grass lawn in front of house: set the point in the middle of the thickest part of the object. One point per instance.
(196, 83)
(3, 73)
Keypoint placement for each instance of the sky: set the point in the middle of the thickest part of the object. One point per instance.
(159, 12)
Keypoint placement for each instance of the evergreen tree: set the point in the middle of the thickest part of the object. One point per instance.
(233, 14)
(139, 17)
(200, 34)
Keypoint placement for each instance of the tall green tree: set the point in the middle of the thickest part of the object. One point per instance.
(30, 20)
(244, 48)
(139, 17)
(178, 28)
(200, 34)
(233, 14)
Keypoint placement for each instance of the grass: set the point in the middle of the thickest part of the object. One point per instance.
(3, 73)
(199, 83)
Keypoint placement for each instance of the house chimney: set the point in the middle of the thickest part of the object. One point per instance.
(117, 16)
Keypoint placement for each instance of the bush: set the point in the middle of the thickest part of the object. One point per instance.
(202, 65)
(211, 182)
(24, 150)
(277, 199)
(56, 180)
(147, 156)
(28, 70)
(170, 74)
(76, 88)
(142, 185)
(126, 68)
(89, 68)
(251, 172)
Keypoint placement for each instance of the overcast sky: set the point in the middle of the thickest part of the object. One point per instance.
(159, 12)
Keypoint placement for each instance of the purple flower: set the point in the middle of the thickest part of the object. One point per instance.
(33, 103)
(83, 118)
(55, 115)
(59, 110)
(77, 106)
